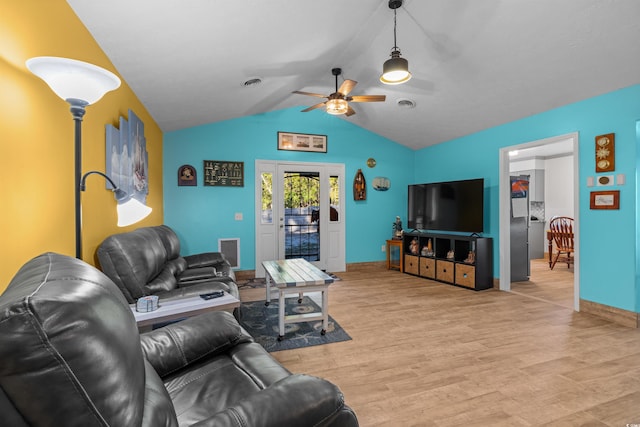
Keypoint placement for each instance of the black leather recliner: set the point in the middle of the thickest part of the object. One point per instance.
(71, 355)
(147, 261)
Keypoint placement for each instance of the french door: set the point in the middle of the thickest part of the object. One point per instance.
(300, 213)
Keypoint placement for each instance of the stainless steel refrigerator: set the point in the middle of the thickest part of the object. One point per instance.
(520, 267)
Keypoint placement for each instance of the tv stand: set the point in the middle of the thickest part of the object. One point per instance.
(465, 261)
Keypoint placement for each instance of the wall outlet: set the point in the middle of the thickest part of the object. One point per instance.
(238, 216)
(383, 248)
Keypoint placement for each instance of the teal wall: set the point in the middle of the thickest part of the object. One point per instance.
(201, 215)
(608, 239)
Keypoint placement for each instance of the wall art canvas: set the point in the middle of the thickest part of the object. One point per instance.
(127, 157)
(139, 158)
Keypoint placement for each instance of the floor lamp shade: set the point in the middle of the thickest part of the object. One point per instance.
(80, 84)
(131, 211)
(73, 79)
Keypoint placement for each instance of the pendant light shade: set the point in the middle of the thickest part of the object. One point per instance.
(73, 79)
(395, 70)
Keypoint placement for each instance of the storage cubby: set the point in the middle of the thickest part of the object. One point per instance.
(446, 258)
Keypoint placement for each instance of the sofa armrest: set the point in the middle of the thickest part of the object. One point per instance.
(197, 274)
(180, 344)
(293, 401)
(206, 259)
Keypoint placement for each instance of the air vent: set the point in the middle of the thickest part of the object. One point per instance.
(406, 103)
(252, 82)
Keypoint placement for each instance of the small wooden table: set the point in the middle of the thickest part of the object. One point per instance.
(395, 243)
(297, 276)
(180, 308)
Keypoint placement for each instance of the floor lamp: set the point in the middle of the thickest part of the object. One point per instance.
(81, 84)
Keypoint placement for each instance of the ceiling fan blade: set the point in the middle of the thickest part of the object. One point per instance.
(350, 111)
(313, 107)
(309, 94)
(347, 86)
(367, 98)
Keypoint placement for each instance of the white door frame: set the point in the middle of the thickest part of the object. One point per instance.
(505, 212)
(268, 236)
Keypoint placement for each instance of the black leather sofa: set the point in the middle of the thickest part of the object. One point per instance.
(71, 355)
(147, 261)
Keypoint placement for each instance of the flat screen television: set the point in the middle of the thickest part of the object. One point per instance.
(456, 206)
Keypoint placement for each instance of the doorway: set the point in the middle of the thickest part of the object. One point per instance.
(300, 213)
(505, 217)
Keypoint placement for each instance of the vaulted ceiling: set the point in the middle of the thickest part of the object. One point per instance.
(475, 64)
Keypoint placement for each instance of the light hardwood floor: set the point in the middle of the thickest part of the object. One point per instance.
(554, 286)
(429, 354)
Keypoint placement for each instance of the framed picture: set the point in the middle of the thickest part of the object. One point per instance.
(218, 173)
(605, 199)
(302, 142)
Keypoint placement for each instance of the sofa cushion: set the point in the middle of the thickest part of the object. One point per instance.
(169, 240)
(74, 335)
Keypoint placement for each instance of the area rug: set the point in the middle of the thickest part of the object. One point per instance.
(262, 323)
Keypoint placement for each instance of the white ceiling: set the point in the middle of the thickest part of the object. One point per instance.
(475, 64)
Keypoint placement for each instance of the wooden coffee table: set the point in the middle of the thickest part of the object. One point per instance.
(297, 276)
(180, 308)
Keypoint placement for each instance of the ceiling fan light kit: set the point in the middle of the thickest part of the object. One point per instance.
(337, 106)
(395, 70)
(338, 102)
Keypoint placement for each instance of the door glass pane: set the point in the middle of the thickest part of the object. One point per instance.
(302, 215)
(334, 198)
(267, 198)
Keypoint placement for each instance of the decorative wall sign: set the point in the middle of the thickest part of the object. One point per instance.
(605, 153)
(187, 176)
(219, 173)
(381, 183)
(359, 186)
(605, 180)
(302, 142)
(127, 158)
(605, 199)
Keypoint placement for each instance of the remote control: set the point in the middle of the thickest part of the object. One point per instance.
(211, 295)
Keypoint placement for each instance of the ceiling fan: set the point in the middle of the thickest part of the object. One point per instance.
(338, 102)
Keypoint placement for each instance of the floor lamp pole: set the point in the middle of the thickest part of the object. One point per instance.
(78, 110)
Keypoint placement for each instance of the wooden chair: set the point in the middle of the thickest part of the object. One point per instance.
(561, 228)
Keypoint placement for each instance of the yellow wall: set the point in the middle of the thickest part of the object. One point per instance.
(37, 135)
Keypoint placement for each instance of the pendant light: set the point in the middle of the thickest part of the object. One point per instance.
(395, 70)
